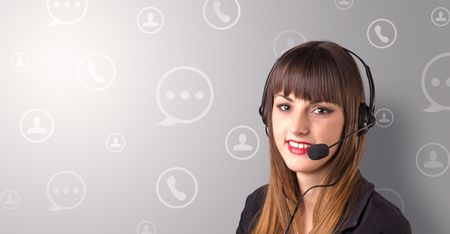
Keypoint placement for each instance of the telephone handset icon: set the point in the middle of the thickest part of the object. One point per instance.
(93, 73)
(223, 17)
(380, 36)
(181, 196)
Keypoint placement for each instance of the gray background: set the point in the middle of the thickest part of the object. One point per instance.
(121, 187)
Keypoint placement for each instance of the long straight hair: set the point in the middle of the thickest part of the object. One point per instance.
(315, 71)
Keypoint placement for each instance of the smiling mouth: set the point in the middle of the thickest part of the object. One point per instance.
(298, 148)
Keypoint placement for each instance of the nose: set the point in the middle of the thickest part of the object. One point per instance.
(300, 123)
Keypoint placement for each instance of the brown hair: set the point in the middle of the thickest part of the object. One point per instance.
(314, 71)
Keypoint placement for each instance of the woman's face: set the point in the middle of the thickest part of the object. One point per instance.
(298, 123)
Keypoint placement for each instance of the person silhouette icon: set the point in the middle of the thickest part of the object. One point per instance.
(344, 2)
(242, 146)
(37, 128)
(116, 143)
(19, 63)
(440, 17)
(384, 119)
(290, 42)
(433, 163)
(146, 230)
(150, 21)
(9, 200)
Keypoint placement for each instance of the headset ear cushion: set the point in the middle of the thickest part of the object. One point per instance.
(363, 118)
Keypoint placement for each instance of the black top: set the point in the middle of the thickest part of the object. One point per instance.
(372, 213)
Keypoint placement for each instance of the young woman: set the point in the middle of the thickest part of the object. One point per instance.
(315, 115)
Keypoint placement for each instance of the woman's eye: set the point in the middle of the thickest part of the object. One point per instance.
(321, 110)
(283, 107)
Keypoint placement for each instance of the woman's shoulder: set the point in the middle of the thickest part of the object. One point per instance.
(250, 213)
(375, 214)
(386, 216)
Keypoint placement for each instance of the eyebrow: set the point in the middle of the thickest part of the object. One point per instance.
(290, 99)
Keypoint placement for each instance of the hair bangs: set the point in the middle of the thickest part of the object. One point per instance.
(314, 77)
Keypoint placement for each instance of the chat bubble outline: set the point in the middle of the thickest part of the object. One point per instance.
(170, 119)
(55, 206)
(58, 22)
(48, 134)
(435, 106)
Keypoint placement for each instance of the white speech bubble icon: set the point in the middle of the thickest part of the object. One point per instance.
(66, 11)
(436, 83)
(184, 95)
(65, 190)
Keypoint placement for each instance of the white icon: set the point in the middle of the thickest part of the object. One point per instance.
(65, 190)
(184, 95)
(66, 11)
(19, 62)
(36, 125)
(396, 199)
(286, 40)
(381, 33)
(343, 4)
(440, 16)
(146, 227)
(243, 142)
(96, 71)
(242, 146)
(221, 14)
(432, 159)
(171, 181)
(178, 189)
(115, 142)
(9, 199)
(93, 73)
(380, 36)
(437, 91)
(150, 20)
(433, 163)
(384, 117)
(223, 17)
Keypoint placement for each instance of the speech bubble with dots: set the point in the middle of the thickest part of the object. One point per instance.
(65, 190)
(436, 83)
(66, 11)
(184, 95)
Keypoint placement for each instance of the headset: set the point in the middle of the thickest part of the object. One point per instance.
(366, 118)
